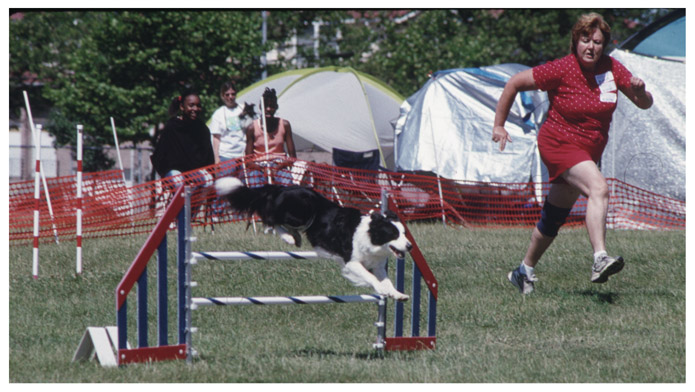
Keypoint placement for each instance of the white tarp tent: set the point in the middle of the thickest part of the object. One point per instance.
(334, 107)
(646, 148)
(446, 128)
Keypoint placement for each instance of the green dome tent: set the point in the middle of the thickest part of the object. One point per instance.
(333, 107)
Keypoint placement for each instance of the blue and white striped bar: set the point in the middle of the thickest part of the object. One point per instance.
(256, 255)
(298, 300)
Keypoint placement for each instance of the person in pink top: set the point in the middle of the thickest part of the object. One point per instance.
(583, 92)
(279, 141)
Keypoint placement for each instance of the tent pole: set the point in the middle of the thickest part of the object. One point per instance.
(371, 117)
(436, 163)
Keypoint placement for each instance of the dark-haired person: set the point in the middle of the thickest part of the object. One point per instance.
(184, 143)
(279, 142)
(583, 91)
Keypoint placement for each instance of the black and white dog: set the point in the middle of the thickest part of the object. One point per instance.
(360, 243)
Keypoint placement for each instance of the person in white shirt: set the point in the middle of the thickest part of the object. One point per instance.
(228, 136)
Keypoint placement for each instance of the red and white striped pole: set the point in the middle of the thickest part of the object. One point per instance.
(37, 198)
(37, 187)
(78, 214)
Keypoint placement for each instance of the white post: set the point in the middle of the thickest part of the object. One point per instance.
(78, 214)
(264, 127)
(118, 152)
(264, 39)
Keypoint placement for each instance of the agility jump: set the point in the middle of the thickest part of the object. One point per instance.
(179, 211)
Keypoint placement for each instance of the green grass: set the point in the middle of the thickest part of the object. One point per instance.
(629, 330)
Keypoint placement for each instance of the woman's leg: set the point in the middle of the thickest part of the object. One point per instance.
(587, 179)
(561, 196)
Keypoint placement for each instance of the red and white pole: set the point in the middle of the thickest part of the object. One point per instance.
(78, 214)
(37, 187)
(37, 198)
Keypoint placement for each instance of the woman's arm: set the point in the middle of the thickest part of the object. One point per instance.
(250, 140)
(289, 141)
(216, 147)
(522, 81)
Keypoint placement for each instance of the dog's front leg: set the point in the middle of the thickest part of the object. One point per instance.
(356, 273)
(381, 275)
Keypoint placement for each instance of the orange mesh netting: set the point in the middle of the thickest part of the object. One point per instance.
(109, 208)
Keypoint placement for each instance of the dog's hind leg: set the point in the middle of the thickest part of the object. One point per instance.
(291, 236)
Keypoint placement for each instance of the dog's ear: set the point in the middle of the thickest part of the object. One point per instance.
(249, 110)
(390, 215)
(376, 216)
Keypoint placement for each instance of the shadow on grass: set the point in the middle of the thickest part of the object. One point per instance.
(599, 297)
(323, 353)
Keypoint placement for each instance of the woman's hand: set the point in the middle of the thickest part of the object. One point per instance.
(499, 134)
(638, 94)
(638, 85)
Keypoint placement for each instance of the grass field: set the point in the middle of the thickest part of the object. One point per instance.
(629, 330)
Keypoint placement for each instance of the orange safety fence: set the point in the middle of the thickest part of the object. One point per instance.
(110, 208)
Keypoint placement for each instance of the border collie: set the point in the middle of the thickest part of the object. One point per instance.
(360, 243)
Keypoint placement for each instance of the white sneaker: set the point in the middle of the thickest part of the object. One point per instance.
(604, 267)
(523, 282)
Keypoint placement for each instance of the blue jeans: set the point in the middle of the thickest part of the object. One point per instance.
(259, 178)
(203, 179)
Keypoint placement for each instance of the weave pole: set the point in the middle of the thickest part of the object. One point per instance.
(38, 128)
(37, 197)
(78, 214)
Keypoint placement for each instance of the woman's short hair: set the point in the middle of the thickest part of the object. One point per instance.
(226, 86)
(585, 26)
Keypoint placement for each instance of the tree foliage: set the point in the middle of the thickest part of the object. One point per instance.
(129, 65)
(404, 48)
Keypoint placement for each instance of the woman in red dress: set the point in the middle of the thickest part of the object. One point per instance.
(583, 91)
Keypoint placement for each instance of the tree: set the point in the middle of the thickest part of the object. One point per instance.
(131, 64)
(40, 43)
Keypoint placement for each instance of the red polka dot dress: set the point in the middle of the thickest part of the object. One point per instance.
(581, 108)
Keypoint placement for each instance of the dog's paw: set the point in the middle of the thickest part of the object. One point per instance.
(398, 296)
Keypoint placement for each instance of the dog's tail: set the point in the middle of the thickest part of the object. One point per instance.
(241, 198)
(248, 200)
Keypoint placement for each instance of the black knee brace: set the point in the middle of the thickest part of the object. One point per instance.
(551, 219)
